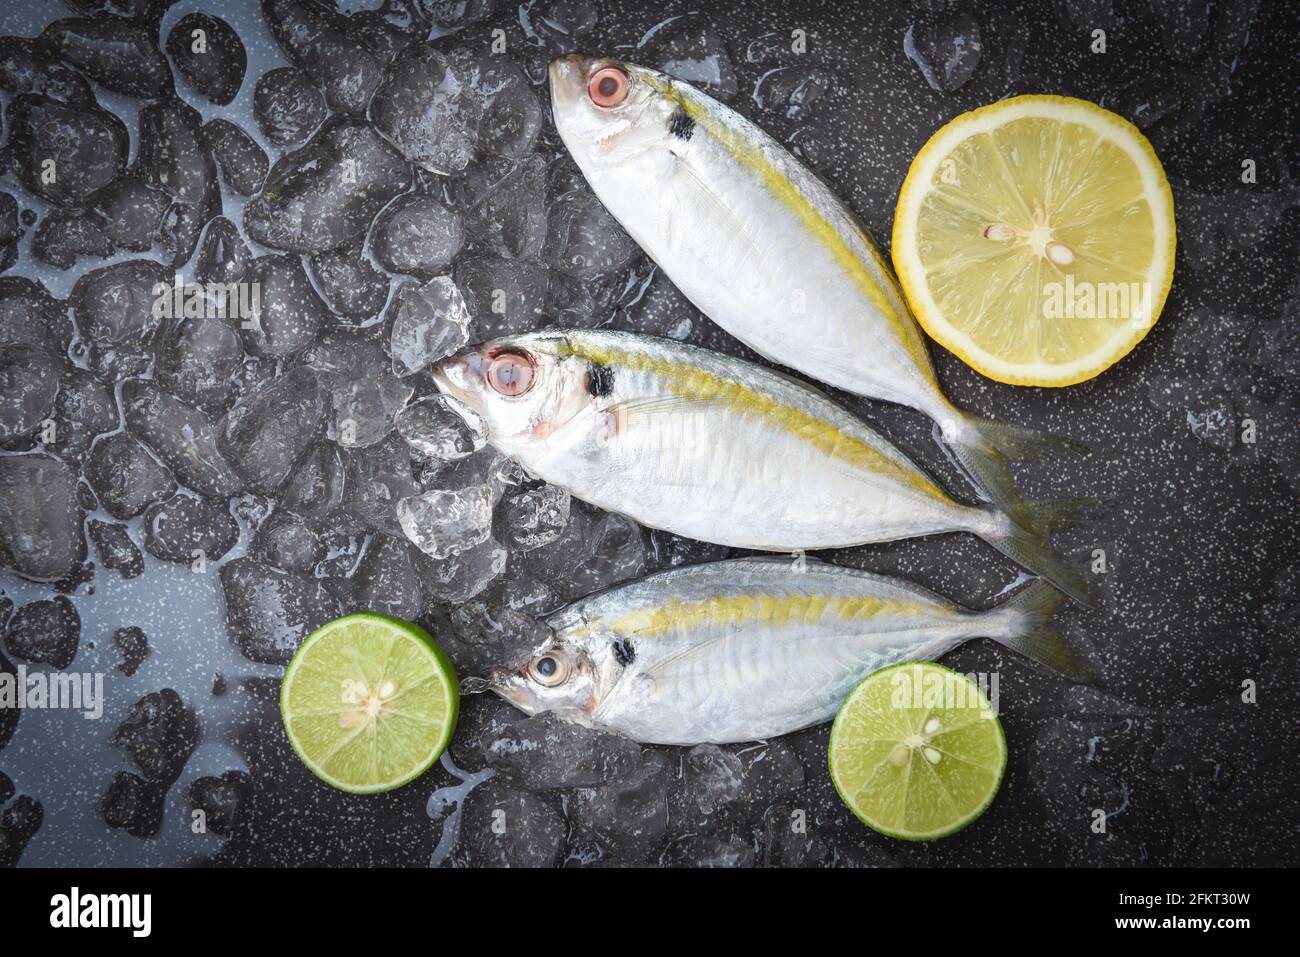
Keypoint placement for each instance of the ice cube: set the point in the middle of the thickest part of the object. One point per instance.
(221, 799)
(504, 296)
(350, 285)
(120, 54)
(186, 527)
(364, 392)
(509, 218)
(378, 478)
(84, 408)
(18, 825)
(115, 549)
(316, 39)
(270, 612)
(133, 804)
(504, 827)
(325, 194)
(417, 235)
(1213, 421)
(584, 240)
(596, 549)
(215, 71)
(512, 118)
(628, 816)
(161, 733)
(196, 359)
(946, 49)
(546, 752)
(688, 48)
(389, 578)
(130, 211)
(47, 631)
(792, 91)
(464, 575)
(706, 850)
(441, 427)
(29, 385)
(712, 778)
(534, 517)
(429, 321)
(132, 645)
(790, 840)
(287, 315)
(316, 488)
(286, 106)
(268, 431)
(288, 543)
(41, 533)
(445, 523)
(92, 148)
(125, 477)
(62, 237)
(426, 109)
(485, 632)
(114, 311)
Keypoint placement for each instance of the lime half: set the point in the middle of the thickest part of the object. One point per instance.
(916, 751)
(369, 702)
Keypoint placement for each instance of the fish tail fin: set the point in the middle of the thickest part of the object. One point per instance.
(983, 448)
(1030, 631)
(1026, 546)
(1053, 515)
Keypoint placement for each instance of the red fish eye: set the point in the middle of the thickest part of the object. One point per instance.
(510, 373)
(607, 87)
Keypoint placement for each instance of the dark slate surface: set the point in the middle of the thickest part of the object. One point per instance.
(1201, 535)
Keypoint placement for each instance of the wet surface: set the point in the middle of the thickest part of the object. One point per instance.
(249, 491)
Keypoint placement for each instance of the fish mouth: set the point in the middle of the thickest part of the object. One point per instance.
(462, 376)
(509, 684)
(568, 76)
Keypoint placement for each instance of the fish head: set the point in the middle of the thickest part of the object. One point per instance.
(557, 677)
(523, 388)
(612, 114)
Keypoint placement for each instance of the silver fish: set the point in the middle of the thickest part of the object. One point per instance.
(764, 248)
(711, 447)
(752, 648)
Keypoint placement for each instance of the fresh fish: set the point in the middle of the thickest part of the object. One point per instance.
(711, 447)
(752, 648)
(764, 248)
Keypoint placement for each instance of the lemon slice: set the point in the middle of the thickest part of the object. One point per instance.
(1034, 238)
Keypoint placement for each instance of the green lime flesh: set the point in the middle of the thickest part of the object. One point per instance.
(369, 702)
(916, 751)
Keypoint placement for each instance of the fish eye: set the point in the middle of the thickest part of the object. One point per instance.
(607, 87)
(548, 670)
(511, 373)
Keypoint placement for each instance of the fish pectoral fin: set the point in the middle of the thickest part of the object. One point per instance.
(655, 669)
(621, 418)
(700, 193)
(654, 404)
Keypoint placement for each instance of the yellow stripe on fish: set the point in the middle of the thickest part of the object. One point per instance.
(775, 611)
(698, 384)
(749, 155)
